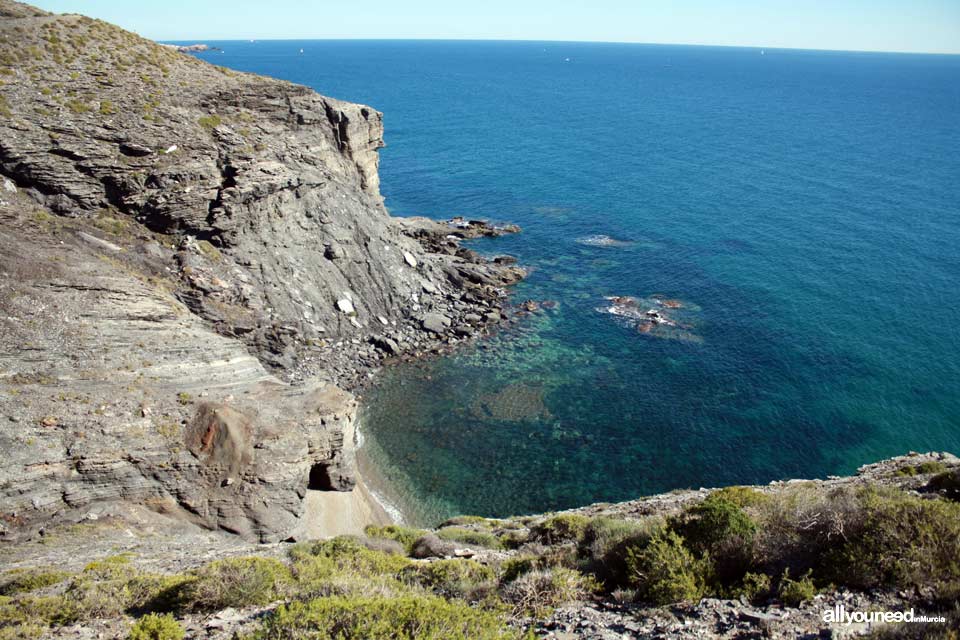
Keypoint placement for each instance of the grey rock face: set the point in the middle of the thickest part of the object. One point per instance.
(270, 190)
(194, 263)
(124, 395)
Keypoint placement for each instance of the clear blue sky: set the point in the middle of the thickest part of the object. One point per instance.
(874, 25)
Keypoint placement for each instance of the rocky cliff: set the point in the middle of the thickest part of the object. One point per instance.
(196, 263)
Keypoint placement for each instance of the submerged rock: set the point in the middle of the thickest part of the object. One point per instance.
(601, 240)
(656, 316)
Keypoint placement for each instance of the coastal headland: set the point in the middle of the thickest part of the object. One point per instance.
(198, 276)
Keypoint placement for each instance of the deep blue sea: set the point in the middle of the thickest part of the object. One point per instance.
(802, 207)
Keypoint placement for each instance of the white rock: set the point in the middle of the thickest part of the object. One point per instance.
(171, 148)
(383, 320)
(9, 186)
(345, 306)
(410, 260)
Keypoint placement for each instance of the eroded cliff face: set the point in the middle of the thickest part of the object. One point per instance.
(179, 243)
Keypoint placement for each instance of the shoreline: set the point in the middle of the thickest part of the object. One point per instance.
(376, 487)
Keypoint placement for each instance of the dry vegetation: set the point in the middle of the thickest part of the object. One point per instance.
(784, 546)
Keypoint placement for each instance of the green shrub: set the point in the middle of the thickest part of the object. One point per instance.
(78, 106)
(461, 521)
(346, 553)
(153, 592)
(24, 580)
(720, 527)
(930, 466)
(512, 539)
(714, 521)
(538, 591)
(903, 541)
(947, 483)
(110, 568)
(102, 590)
(755, 587)
(363, 618)
(156, 627)
(452, 578)
(209, 122)
(105, 588)
(665, 571)
(513, 568)
(741, 496)
(236, 582)
(603, 547)
(107, 108)
(795, 592)
(469, 536)
(31, 612)
(406, 536)
(566, 527)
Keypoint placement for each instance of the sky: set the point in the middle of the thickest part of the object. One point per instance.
(931, 26)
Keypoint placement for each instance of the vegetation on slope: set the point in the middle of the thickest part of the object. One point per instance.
(782, 546)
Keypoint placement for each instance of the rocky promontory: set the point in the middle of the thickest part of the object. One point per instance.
(197, 269)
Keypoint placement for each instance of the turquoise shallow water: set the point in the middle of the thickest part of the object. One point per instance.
(803, 206)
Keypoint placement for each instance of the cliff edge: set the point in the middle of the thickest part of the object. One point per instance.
(197, 268)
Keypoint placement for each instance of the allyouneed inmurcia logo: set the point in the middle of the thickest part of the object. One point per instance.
(840, 614)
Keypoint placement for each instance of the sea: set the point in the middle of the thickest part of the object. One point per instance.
(746, 262)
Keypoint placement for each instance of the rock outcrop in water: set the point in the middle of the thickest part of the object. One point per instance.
(195, 262)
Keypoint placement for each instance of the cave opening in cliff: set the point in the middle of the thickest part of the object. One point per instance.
(320, 478)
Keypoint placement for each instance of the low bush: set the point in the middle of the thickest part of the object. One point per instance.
(565, 527)
(930, 466)
(470, 537)
(461, 521)
(156, 627)
(26, 580)
(406, 536)
(720, 528)
(363, 618)
(947, 484)
(741, 496)
(795, 592)
(713, 522)
(209, 122)
(466, 579)
(537, 592)
(347, 553)
(513, 568)
(512, 539)
(902, 541)
(755, 587)
(603, 545)
(236, 582)
(665, 571)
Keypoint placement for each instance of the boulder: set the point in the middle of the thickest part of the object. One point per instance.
(346, 306)
(431, 546)
(435, 322)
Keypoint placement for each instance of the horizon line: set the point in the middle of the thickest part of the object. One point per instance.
(625, 42)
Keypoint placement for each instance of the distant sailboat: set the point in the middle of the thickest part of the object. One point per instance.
(763, 52)
(301, 50)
